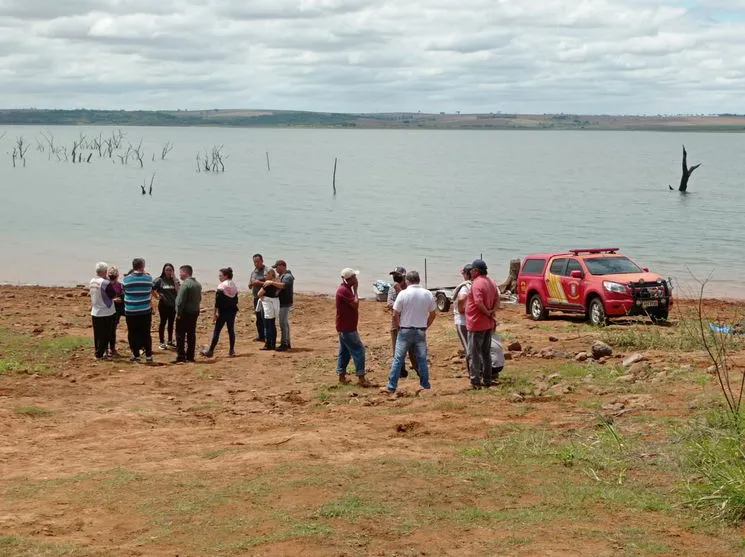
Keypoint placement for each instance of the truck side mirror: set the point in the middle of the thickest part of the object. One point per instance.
(576, 274)
(645, 269)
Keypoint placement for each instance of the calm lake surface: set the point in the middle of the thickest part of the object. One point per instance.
(403, 196)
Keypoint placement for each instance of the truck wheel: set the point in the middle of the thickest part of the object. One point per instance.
(596, 313)
(443, 302)
(536, 309)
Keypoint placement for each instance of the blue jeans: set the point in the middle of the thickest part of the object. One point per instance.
(351, 347)
(407, 338)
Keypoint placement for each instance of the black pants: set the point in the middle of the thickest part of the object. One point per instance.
(259, 319)
(186, 336)
(225, 318)
(114, 326)
(138, 333)
(102, 334)
(270, 333)
(167, 317)
(479, 344)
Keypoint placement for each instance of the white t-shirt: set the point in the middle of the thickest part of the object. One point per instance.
(98, 305)
(460, 318)
(414, 306)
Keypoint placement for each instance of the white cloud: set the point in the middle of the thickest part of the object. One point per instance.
(609, 56)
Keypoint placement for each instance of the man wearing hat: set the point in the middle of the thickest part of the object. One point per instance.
(460, 295)
(286, 285)
(399, 284)
(481, 305)
(347, 319)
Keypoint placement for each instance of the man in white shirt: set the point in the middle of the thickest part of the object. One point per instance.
(413, 312)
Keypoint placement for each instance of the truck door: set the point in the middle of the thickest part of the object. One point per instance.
(573, 288)
(556, 269)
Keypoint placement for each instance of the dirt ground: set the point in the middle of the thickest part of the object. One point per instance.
(265, 454)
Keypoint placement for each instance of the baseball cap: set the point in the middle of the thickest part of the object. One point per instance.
(349, 273)
(398, 271)
(479, 264)
(278, 263)
(466, 268)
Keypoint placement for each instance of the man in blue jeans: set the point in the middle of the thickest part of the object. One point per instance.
(347, 318)
(413, 312)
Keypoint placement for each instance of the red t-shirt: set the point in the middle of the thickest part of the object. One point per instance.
(483, 290)
(347, 316)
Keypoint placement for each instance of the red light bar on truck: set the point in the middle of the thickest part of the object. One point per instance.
(593, 250)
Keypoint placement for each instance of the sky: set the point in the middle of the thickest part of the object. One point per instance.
(526, 56)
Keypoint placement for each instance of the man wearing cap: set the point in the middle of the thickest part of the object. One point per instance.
(347, 319)
(399, 284)
(481, 305)
(286, 285)
(459, 311)
(413, 312)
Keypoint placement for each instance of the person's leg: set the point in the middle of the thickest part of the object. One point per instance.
(357, 351)
(163, 315)
(259, 313)
(133, 335)
(147, 337)
(420, 346)
(219, 323)
(402, 346)
(394, 337)
(191, 337)
(114, 326)
(270, 326)
(342, 360)
(98, 336)
(284, 325)
(181, 339)
(463, 337)
(171, 320)
(230, 324)
(486, 358)
(413, 359)
(106, 330)
(473, 349)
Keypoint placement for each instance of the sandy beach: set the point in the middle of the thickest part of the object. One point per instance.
(265, 454)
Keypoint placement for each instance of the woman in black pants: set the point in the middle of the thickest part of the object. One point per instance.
(165, 288)
(226, 307)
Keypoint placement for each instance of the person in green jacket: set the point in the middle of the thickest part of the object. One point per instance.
(188, 302)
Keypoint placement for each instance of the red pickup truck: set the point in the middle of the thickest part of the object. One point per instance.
(596, 282)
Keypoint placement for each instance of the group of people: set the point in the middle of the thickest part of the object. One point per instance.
(414, 309)
(179, 302)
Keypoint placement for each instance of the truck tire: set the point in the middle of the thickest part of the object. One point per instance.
(443, 302)
(596, 312)
(659, 316)
(535, 308)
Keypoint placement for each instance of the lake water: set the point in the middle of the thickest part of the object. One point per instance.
(403, 196)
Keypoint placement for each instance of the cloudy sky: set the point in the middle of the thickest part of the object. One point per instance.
(587, 56)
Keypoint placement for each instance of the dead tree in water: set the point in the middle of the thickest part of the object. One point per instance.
(21, 147)
(137, 152)
(686, 172)
(167, 148)
(333, 179)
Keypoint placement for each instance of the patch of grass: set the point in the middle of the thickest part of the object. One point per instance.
(350, 508)
(684, 336)
(715, 462)
(23, 353)
(32, 411)
(17, 546)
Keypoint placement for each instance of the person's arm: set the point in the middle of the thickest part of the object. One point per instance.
(262, 292)
(156, 284)
(111, 291)
(181, 301)
(462, 297)
(396, 319)
(478, 298)
(352, 299)
(392, 291)
(431, 318)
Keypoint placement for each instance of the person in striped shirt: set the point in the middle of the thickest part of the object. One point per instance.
(138, 293)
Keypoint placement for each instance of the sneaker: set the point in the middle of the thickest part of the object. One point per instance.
(171, 344)
(134, 359)
(231, 354)
(206, 353)
(163, 347)
(259, 339)
(283, 348)
(267, 348)
(178, 361)
(149, 359)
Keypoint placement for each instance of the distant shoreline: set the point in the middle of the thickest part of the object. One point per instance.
(284, 119)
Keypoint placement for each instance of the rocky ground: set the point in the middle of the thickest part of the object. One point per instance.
(575, 452)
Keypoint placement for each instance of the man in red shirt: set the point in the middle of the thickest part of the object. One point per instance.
(481, 305)
(347, 318)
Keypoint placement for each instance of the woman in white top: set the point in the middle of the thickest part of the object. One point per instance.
(269, 300)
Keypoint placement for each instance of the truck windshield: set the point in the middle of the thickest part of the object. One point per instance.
(611, 266)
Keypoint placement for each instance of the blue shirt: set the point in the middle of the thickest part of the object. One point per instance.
(138, 292)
